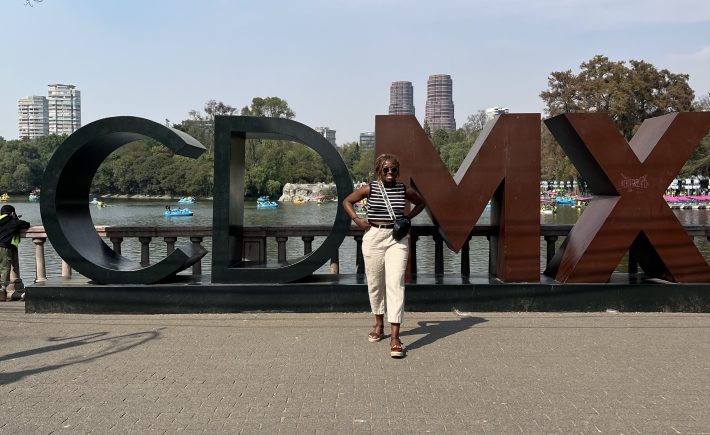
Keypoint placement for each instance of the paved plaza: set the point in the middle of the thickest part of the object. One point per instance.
(317, 373)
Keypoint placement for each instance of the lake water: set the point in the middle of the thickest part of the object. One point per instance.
(123, 212)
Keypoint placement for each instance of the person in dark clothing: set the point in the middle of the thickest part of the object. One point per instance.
(10, 226)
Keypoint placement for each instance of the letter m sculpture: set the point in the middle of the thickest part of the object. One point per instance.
(503, 164)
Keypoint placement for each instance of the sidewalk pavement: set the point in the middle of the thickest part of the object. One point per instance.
(317, 373)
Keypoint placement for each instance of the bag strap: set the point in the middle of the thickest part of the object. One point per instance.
(387, 200)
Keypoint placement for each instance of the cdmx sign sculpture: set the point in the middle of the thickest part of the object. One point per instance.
(627, 180)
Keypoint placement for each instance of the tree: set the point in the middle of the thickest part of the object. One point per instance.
(200, 126)
(475, 122)
(363, 168)
(554, 163)
(629, 93)
(215, 108)
(350, 152)
(47, 145)
(20, 165)
(703, 103)
(440, 138)
(427, 129)
(271, 107)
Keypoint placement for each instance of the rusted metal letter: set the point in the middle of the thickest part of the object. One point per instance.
(628, 211)
(503, 164)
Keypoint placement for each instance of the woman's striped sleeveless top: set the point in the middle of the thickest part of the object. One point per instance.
(376, 207)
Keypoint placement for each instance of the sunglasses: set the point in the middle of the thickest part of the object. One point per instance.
(394, 171)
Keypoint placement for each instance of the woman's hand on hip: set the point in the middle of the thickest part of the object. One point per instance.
(362, 223)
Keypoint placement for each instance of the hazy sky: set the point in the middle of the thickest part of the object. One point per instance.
(331, 60)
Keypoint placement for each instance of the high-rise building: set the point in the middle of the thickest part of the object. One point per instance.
(367, 140)
(326, 133)
(64, 103)
(32, 117)
(401, 98)
(439, 104)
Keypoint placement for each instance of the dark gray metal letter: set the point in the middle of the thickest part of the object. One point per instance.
(229, 167)
(65, 200)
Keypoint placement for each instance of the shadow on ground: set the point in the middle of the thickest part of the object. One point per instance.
(110, 345)
(436, 330)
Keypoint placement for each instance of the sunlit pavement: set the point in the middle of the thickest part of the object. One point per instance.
(317, 373)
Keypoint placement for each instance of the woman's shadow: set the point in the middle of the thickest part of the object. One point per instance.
(436, 330)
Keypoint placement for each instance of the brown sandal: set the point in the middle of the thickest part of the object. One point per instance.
(373, 337)
(396, 348)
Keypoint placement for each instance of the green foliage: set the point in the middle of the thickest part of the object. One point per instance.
(363, 169)
(272, 107)
(440, 138)
(360, 162)
(151, 169)
(21, 165)
(699, 163)
(200, 129)
(453, 154)
(454, 147)
(475, 122)
(47, 145)
(629, 93)
(350, 152)
(271, 164)
(554, 164)
(200, 126)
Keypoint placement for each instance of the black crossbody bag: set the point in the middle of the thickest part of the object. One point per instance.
(401, 226)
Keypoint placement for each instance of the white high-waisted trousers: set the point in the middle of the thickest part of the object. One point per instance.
(385, 264)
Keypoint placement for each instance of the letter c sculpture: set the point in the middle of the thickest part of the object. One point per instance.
(65, 205)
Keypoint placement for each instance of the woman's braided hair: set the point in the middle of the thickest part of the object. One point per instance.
(380, 162)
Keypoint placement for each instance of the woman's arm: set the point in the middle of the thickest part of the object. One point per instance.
(413, 197)
(358, 195)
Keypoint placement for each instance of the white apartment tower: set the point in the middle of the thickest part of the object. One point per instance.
(32, 117)
(64, 103)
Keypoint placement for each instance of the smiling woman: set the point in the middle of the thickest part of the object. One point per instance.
(385, 256)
